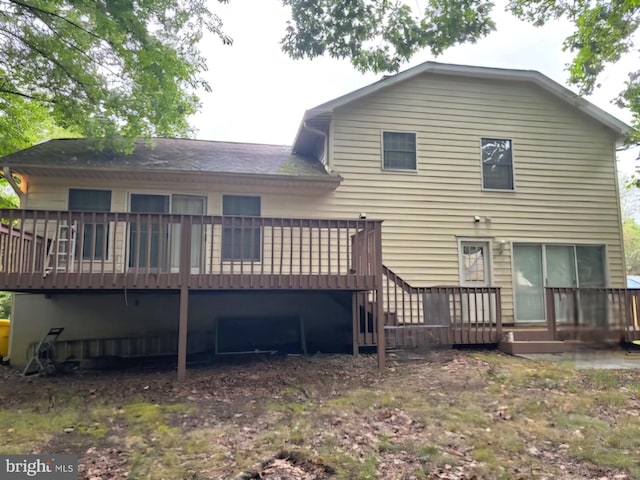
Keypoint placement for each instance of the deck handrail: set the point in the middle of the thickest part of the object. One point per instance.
(576, 311)
(437, 314)
(77, 249)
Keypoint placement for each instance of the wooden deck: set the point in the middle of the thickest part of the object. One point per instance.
(55, 251)
(61, 250)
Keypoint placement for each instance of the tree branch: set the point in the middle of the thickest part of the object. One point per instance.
(57, 63)
(33, 8)
(73, 45)
(24, 95)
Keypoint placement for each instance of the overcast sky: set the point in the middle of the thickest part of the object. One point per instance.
(259, 94)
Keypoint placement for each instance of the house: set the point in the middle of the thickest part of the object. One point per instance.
(454, 202)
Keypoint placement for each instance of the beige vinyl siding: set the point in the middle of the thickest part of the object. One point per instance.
(564, 164)
(45, 192)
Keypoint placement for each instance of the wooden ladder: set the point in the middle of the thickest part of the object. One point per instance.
(61, 255)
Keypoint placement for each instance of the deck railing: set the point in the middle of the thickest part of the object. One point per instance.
(593, 313)
(416, 316)
(62, 249)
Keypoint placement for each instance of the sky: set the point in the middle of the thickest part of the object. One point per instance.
(259, 94)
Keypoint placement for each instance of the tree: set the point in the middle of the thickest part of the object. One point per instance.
(101, 68)
(118, 69)
(630, 210)
(631, 234)
(629, 197)
(380, 35)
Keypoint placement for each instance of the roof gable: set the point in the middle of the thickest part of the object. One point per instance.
(620, 129)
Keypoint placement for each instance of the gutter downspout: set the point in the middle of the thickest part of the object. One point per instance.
(7, 174)
(327, 164)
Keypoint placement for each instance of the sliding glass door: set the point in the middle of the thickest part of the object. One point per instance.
(561, 266)
(187, 205)
(147, 239)
(529, 283)
(564, 266)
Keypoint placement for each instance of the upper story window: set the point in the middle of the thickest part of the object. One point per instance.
(497, 164)
(399, 151)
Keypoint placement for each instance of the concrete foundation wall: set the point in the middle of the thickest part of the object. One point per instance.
(326, 316)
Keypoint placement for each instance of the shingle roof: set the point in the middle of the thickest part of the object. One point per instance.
(170, 154)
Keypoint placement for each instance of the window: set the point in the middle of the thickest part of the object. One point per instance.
(94, 236)
(399, 151)
(474, 264)
(497, 164)
(241, 242)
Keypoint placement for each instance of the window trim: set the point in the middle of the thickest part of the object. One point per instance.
(259, 229)
(513, 165)
(489, 243)
(91, 190)
(397, 170)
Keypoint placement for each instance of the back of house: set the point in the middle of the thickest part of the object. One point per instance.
(445, 196)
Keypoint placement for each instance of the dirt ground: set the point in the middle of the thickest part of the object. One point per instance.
(441, 415)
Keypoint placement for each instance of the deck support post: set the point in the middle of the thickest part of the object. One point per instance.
(355, 317)
(380, 320)
(551, 313)
(185, 272)
(380, 325)
(182, 334)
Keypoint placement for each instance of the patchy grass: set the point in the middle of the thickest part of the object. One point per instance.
(481, 414)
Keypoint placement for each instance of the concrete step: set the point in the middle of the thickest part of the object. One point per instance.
(530, 334)
(539, 346)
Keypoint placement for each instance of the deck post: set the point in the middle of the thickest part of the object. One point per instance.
(551, 313)
(377, 266)
(355, 317)
(182, 334)
(185, 273)
(498, 315)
